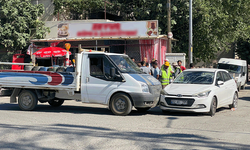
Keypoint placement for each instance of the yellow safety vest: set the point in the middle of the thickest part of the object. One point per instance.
(165, 76)
(176, 70)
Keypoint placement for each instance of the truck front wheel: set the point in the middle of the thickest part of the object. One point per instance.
(56, 102)
(120, 104)
(27, 100)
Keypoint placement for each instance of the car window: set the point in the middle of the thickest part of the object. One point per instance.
(219, 77)
(225, 76)
(229, 76)
(100, 67)
(96, 67)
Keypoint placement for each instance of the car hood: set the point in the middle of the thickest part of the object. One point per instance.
(187, 89)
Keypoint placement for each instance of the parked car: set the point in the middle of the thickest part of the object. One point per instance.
(200, 90)
(237, 68)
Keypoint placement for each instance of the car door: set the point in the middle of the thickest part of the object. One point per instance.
(228, 87)
(99, 82)
(220, 92)
(231, 87)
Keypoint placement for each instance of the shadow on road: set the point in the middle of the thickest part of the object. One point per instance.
(245, 98)
(102, 111)
(94, 110)
(82, 134)
(73, 109)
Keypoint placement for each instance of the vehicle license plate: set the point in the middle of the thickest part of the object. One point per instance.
(179, 102)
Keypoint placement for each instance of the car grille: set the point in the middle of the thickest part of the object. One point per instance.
(190, 101)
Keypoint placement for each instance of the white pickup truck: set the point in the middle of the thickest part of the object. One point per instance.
(98, 77)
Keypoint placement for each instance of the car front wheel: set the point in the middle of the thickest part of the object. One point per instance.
(235, 101)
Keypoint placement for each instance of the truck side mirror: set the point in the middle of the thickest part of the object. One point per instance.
(112, 72)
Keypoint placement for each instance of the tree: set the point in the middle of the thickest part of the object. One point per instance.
(216, 24)
(19, 22)
(243, 49)
(78, 9)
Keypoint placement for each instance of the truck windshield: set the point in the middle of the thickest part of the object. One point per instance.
(125, 64)
(230, 68)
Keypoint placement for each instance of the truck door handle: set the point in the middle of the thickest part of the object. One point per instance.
(87, 79)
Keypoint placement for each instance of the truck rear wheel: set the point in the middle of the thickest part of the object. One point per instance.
(56, 102)
(120, 104)
(27, 100)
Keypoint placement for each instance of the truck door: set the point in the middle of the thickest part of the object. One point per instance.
(99, 82)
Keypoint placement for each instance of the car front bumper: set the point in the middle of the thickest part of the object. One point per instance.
(195, 104)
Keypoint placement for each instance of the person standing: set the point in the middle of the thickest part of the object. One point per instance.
(132, 58)
(166, 60)
(152, 66)
(156, 72)
(177, 69)
(191, 66)
(165, 75)
(145, 68)
(180, 65)
(144, 61)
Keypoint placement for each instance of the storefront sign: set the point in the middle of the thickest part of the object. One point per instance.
(108, 29)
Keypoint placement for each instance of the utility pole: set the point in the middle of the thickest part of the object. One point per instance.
(169, 26)
(190, 33)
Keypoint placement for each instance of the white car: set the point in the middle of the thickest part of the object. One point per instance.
(200, 90)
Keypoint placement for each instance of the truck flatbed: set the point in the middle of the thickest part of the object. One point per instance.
(37, 79)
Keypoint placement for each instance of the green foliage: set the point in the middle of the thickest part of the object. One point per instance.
(243, 49)
(19, 23)
(78, 9)
(216, 24)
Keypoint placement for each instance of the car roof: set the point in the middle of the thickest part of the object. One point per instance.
(206, 69)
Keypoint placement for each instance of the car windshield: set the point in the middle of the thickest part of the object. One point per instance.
(195, 77)
(230, 68)
(125, 64)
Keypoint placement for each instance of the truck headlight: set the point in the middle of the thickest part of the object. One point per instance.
(202, 94)
(163, 92)
(144, 87)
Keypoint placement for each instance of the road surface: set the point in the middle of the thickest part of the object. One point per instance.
(87, 126)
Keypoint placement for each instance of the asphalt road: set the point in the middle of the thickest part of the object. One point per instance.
(86, 126)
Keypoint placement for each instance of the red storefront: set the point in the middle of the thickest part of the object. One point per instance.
(137, 39)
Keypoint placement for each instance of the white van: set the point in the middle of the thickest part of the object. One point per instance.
(237, 68)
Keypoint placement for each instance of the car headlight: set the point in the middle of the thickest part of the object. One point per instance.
(202, 94)
(144, 87)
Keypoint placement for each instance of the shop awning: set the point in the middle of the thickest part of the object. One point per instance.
(101, 38)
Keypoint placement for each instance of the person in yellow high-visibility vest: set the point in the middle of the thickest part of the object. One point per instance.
(166, 73)
(166, 60)
(177, 69)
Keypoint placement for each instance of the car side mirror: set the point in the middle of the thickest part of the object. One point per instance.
(112, 72)
(243, 73)
(220, 82)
